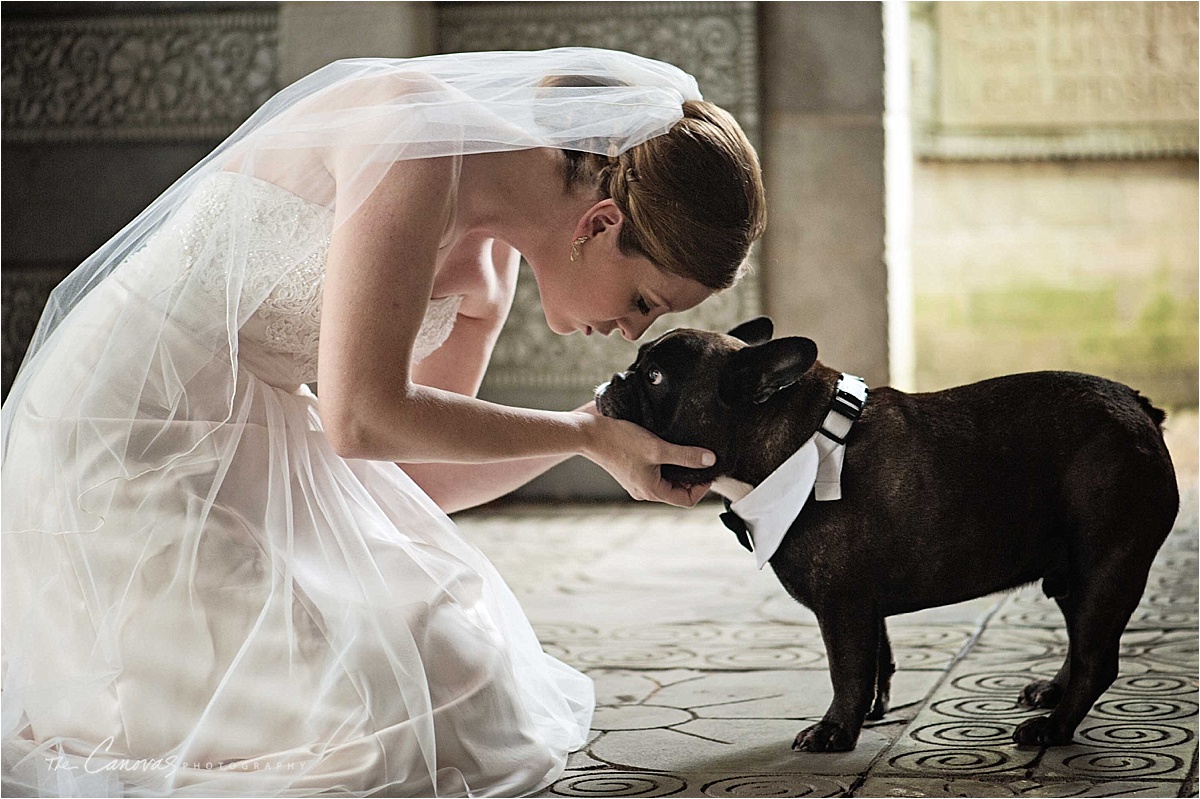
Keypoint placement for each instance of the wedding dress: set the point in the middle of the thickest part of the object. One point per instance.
(374, 647)
(200, 597)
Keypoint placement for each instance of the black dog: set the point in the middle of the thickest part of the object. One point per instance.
(947, 496)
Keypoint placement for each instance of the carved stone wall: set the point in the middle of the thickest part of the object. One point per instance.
(1013, 80)
(716, 42)
(23, 298)
(152, 76)
(104, 105)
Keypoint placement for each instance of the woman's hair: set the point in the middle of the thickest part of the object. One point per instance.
(693, 198)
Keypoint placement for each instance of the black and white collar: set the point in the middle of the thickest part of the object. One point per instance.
(761, 519)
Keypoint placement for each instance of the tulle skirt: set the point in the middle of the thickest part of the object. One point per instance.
(202, 602)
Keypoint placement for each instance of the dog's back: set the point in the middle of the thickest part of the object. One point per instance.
(988, 486)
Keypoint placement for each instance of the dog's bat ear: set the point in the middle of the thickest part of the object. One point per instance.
(754, 374)
(756, 331)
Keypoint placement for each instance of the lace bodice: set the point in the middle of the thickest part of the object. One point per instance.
(285, 239)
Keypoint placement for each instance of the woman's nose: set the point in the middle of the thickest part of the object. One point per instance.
(632, 329)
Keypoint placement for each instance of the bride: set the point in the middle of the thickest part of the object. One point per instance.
(217, 583)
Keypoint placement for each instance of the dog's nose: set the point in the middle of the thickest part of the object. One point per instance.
(619, 377)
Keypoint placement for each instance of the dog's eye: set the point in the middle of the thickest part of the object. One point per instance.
(654, 376)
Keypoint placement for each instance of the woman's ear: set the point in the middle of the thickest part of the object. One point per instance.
(602, 216)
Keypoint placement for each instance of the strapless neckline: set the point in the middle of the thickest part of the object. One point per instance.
(234, 177)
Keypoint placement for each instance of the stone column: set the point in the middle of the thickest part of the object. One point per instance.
(823, 269)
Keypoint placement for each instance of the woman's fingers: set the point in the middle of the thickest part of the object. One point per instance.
(635, 456)
(691, 457)
(682, 496)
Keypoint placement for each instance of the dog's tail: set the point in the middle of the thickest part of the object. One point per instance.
(1157, 416)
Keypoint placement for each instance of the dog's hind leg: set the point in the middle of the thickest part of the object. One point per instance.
(1045, 694)
(1120, 510)
(884, 669)
(1104, 603)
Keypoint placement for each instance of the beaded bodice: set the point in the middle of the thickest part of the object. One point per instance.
(237, 230)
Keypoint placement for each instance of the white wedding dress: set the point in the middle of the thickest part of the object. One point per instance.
(201, 598)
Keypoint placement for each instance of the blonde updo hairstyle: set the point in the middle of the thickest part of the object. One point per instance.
(693, 198)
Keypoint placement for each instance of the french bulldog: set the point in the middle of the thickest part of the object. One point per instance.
(945, 496)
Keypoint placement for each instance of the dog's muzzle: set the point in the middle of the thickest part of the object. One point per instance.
(610, 397)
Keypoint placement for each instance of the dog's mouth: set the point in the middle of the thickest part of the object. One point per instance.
(618, 401)
(604, 399)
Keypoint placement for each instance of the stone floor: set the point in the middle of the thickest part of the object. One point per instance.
(705, 669)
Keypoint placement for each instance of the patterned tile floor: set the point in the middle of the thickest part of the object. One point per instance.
(705, 669)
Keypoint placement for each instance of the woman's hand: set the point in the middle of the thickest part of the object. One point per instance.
(634, 455)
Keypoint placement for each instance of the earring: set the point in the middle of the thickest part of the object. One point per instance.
(575, 245)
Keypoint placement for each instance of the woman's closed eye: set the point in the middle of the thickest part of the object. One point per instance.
(643, 307)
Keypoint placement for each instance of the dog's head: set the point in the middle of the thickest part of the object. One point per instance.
(709, 390)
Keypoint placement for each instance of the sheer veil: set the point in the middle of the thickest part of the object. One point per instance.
(381, 111)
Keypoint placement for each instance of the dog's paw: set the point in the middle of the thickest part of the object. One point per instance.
(1040, 731)
(879, 709)
(824, 736)
(1041, 694)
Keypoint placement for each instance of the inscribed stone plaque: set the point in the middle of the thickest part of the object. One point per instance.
(1055, 79)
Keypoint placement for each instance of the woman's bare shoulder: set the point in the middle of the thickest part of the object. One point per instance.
(376, 89)
(484, 271)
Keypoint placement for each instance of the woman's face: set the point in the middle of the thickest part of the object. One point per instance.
(605, 290)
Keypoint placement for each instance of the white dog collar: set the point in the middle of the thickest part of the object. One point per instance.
(761, 518)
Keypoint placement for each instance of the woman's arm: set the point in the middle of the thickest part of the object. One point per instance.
(378, 280)
(485, 272)
(458, 486)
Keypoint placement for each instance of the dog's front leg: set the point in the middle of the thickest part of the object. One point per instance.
(851, 635)
(884, 669)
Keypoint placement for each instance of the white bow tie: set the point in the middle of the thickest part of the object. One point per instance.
(816, 468)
